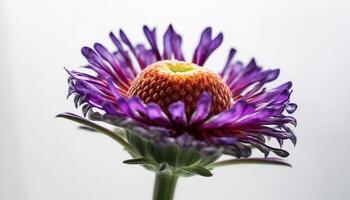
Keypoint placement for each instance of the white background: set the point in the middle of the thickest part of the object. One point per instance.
(43, 158)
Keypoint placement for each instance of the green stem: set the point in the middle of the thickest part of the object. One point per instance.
(164, 187)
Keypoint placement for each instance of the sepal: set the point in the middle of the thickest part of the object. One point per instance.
(199, 170)
(137, 161)
(179, 160)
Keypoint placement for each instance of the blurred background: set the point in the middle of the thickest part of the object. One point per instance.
(46, 158)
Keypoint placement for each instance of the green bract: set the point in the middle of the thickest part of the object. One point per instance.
(181, 161)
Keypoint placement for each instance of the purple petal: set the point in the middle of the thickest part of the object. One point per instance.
(126, 40)
(113, 89)
(279, 120)
(232, 73)
(90, 93)
(203, 108)
(185, 140)
(203, 47)
(116, 42)
(101, 68)
(124, 54)
(225, 117)
(178, 114)
(215, 43)
(86, 77)
(228, 63)
(291, 107)
(136, 104)
(121, 73)
(224, 140)
(145, 57)
(95, 61)
(133, 108)
(176, 46)
(270, 75)
(155, 113)
(110, 109)
(255, 117)
(167, 43)
(151, 37)
(273, 132)
(124, 107)
(279, 95)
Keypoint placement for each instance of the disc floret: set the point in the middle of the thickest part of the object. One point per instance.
(168, 81)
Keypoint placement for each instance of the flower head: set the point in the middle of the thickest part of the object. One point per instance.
(166, 100)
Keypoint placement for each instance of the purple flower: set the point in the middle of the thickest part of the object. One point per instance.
(235, 114)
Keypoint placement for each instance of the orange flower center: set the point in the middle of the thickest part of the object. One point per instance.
(168, 81)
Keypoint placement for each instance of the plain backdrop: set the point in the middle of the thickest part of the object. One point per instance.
(46, 158)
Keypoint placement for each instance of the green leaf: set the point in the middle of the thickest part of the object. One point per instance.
(86, 128)
(98, 128)
(202, 171)
(263, 161)
(137, 161)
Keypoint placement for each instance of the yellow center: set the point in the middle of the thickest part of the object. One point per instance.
(177, 67)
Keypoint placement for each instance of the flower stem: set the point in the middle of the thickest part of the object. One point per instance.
(164, 186)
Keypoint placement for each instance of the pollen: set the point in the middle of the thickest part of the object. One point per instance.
(168, 81)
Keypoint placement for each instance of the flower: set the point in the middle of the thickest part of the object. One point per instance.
(163, 99)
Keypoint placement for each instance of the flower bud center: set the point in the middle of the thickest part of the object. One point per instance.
(168, 81)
